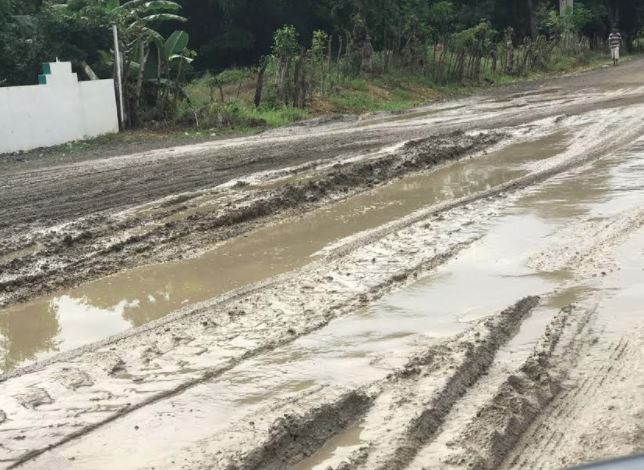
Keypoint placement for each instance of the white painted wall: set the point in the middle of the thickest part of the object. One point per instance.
(60, 111)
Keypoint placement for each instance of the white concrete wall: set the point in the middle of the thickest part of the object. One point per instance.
(60, 111)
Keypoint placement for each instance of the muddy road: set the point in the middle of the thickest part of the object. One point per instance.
(459, 286)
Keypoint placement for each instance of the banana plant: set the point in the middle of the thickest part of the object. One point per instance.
(173, 51)
(135, 21)
(172, 56)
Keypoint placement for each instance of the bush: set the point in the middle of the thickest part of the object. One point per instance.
(241, 115)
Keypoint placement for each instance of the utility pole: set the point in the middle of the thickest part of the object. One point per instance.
(119, 76)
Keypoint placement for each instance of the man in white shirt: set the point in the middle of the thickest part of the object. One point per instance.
(615, 42)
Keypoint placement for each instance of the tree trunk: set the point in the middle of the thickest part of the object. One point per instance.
(143, 58)
(127, 92)
(259, 87)
(564, 5)
(329, 54)
(613, 14)
(301, 81)
(509, 61)
(295, 98)
(222, 98)
(532, 18)
(282, 81)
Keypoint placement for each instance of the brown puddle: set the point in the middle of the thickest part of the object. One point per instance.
(334, 451)
(351, 352)
(620, 175)
(111, 305)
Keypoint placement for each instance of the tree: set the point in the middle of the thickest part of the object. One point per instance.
(564, 5)
(441, 20)
(135, 21)
(20, 43)
(285, 47)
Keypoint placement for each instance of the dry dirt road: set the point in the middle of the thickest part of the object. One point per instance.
(460, 286)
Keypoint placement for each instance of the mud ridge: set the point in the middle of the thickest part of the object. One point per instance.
(476, 351)
(521, 398)
(502, 190)
(295, 436)
(411, 403)
(297, 428)
(91, 248)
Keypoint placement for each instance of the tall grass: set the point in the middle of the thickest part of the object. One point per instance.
(330, 82)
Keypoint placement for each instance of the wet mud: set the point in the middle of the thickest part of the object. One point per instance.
(100, 309)
(88, 248)
(384, 342)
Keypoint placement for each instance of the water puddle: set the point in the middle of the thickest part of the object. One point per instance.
(334, 451)
(350, 352)
(79, 316)
(585, 194)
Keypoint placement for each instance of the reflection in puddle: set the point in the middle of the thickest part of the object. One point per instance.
(135, 297)
(84, 322)
(81, 321)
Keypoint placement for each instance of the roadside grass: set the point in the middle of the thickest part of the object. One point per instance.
(226, 101)
(236, 115)
(397, 91)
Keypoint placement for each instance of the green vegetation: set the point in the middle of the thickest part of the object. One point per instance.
(223, 64)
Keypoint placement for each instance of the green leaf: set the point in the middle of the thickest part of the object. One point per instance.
(176, 43)
(163, 17)
(181, 57)
(132, 4)
(162, 5)
(146, 6)
(106, 58)
(154, 36)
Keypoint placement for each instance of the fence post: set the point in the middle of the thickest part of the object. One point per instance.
(260, 82)
(509, 63)
(119, 76)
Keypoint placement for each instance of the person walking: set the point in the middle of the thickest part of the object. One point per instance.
(615, 42)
